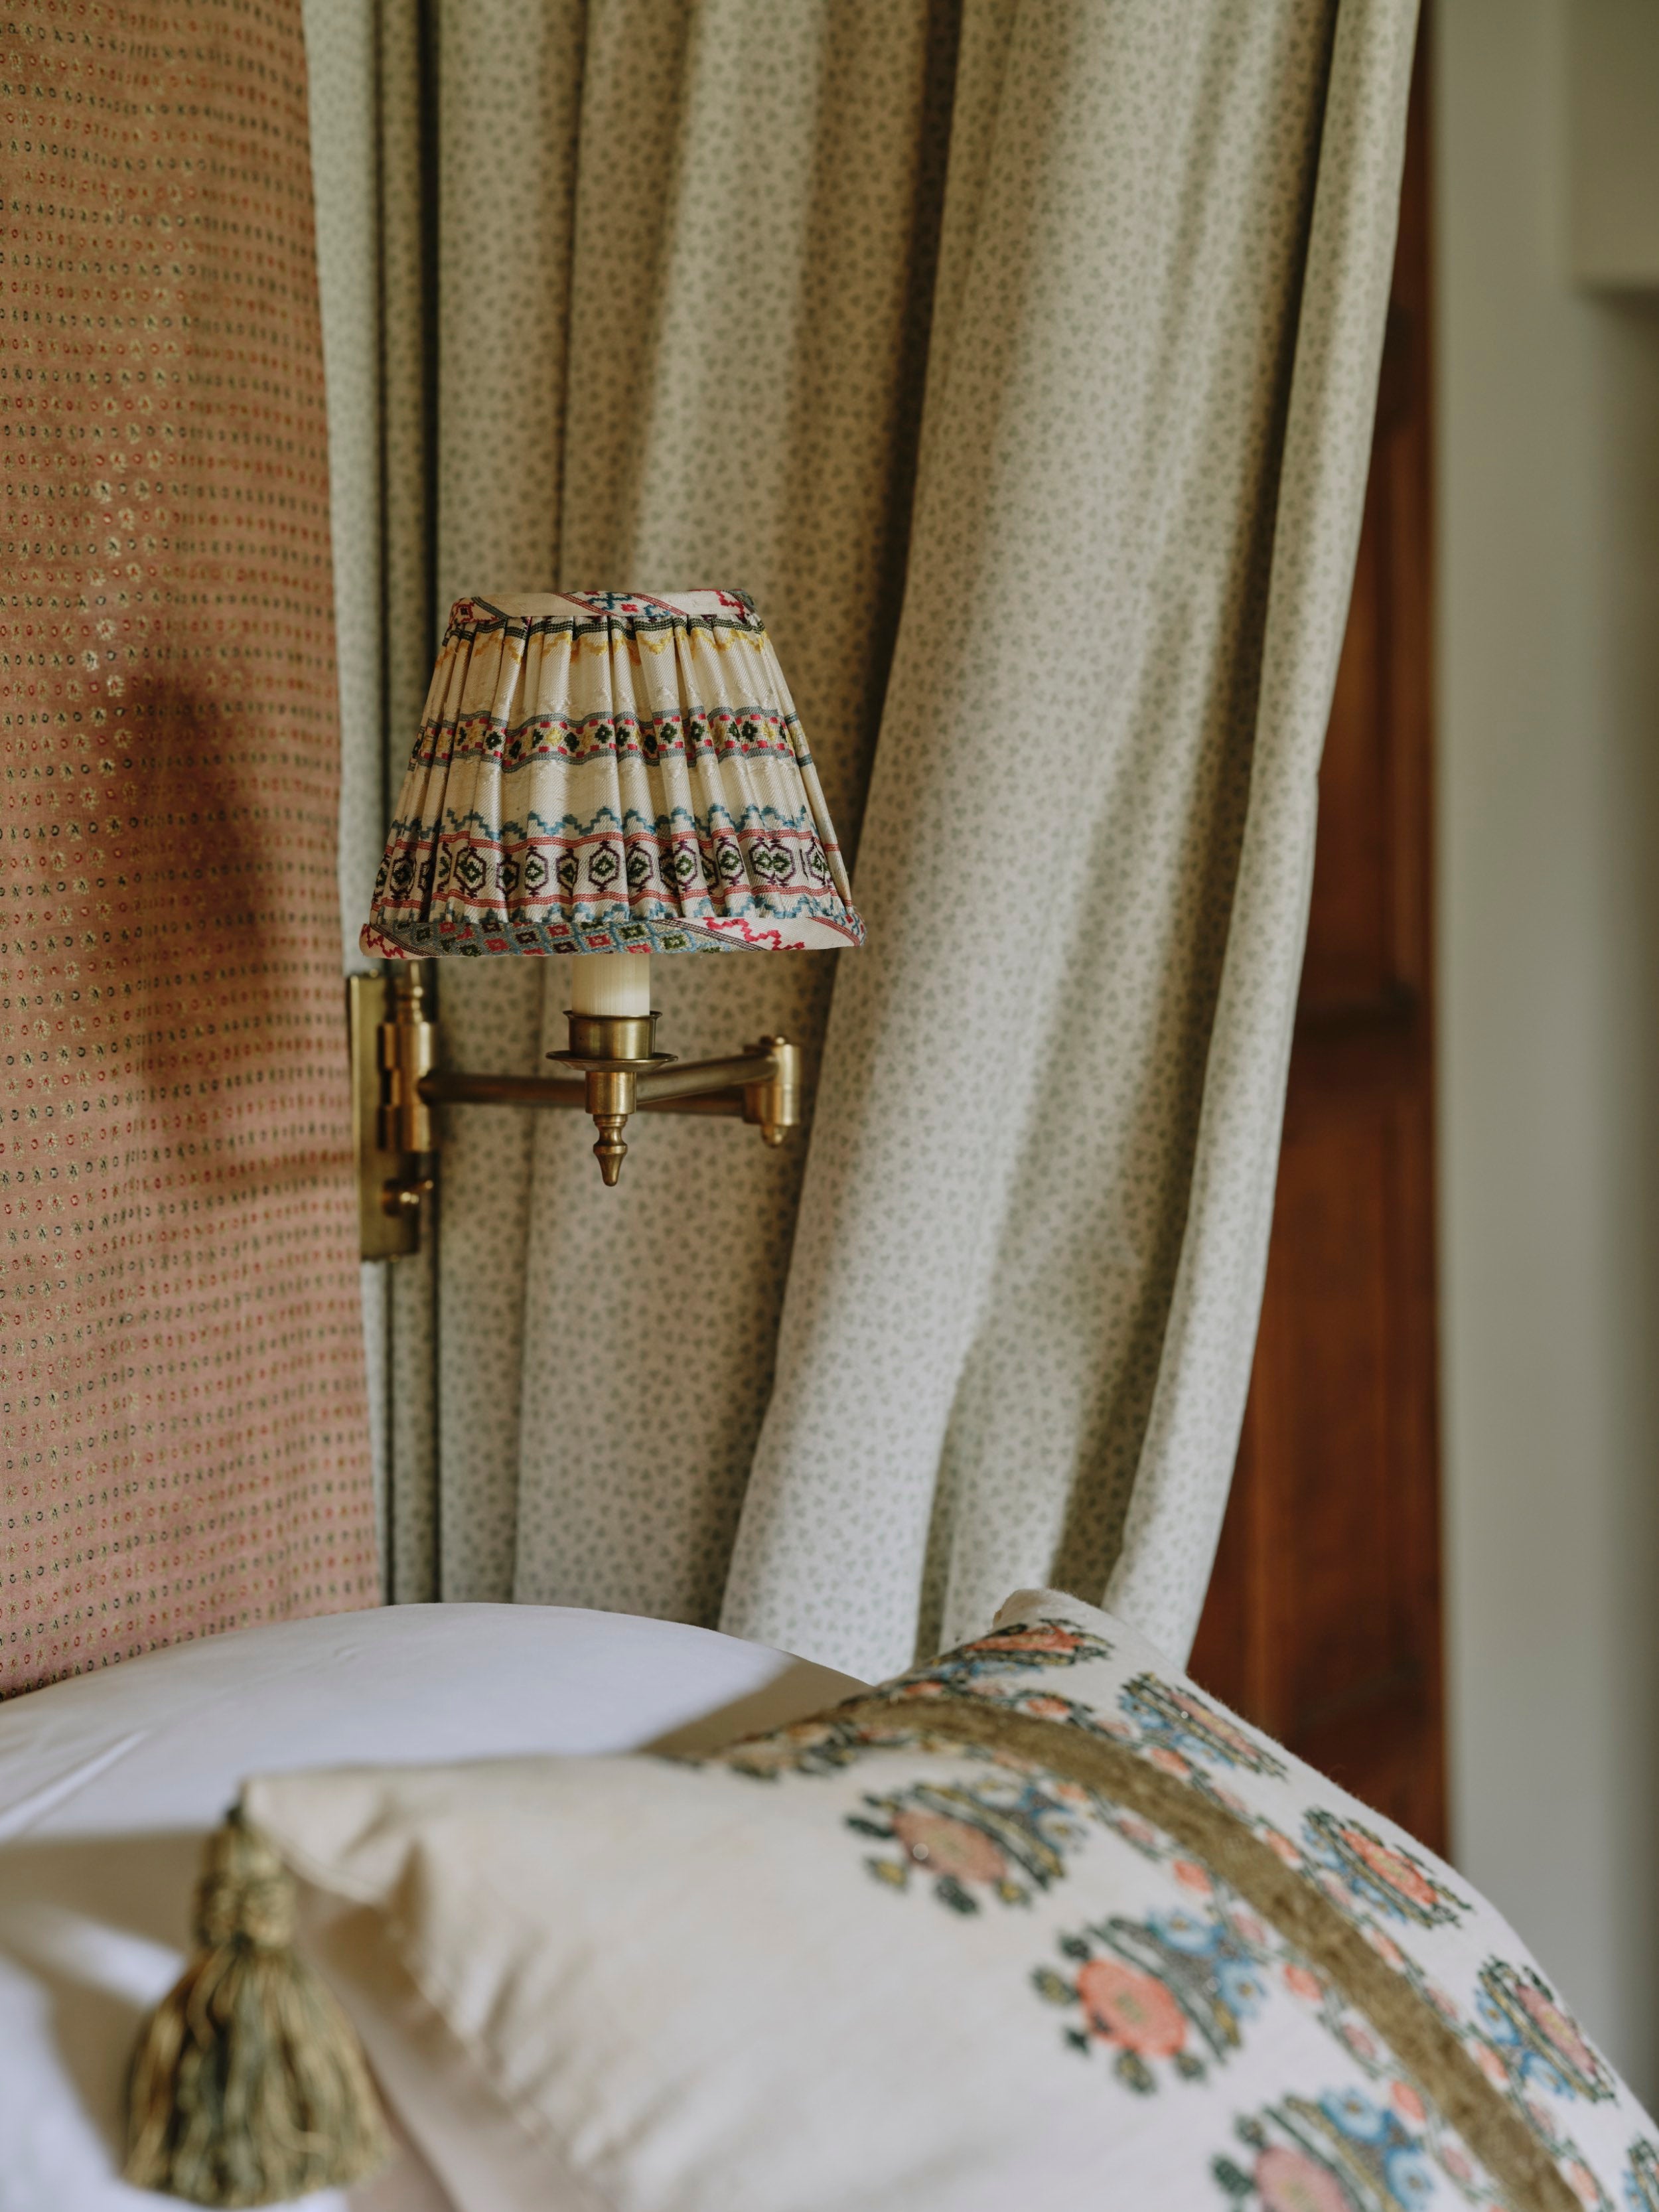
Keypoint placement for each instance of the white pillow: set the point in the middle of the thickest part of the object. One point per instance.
(109, 1781)
(869, 1963)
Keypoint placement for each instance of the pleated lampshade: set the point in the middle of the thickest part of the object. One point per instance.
(609, 772)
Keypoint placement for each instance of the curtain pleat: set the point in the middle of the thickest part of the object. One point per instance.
(371, 71)
(1028, 1269)
(1173, 1518)
(970, 338)
(756, 206)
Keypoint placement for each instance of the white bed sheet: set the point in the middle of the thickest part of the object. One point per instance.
(108, 1783)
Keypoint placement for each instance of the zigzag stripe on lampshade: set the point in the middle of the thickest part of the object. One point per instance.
(610, 771)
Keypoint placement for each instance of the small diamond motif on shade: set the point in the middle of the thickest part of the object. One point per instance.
(606, 759)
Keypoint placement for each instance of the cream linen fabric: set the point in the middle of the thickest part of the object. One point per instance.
(1019, 360)
(913, 1976)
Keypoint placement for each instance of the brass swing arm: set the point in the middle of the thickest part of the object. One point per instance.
(691, 1086)
(617, 1073)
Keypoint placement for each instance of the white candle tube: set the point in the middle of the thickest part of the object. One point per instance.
(610, 983)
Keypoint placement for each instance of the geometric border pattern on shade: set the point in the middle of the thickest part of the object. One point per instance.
(609, 772)
(183, 1418)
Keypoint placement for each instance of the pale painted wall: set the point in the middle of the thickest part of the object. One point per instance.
(1549, 1035)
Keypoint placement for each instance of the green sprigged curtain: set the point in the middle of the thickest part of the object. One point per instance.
(1020, 360)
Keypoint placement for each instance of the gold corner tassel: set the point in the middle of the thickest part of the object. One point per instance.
(248, 2085)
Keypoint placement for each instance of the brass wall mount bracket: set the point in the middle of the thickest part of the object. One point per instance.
(392, 1046)
(616, 1072)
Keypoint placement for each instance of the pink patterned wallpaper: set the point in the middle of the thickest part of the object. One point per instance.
(183, 1423)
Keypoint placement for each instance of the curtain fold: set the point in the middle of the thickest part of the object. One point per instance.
(1173, 1518)
(1019, 360)
(1028, 1264)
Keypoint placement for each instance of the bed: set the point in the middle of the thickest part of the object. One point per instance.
(1037, 1921)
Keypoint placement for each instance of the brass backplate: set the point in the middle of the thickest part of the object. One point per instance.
(381, 1234)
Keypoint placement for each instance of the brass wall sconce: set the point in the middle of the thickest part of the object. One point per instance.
(604, 777)
(395, 1083)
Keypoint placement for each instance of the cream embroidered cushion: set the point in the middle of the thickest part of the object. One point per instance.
(1038, 1918)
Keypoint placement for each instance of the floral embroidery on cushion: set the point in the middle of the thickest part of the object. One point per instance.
(1534, 2037)
(1022, 1647)
(1176, 1985)
(1043, 1704)
(1508, 2060)
(1179, 1720)
(1366, 1870)
(1047, 1706)
(1036, 1643)
(824, 1745)
(1007, 1829)
(1009, 1838)
(1341, 2153)
(1641, 2191)
(830, 1743)
(1279, 1961)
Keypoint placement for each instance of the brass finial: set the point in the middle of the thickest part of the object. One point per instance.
(609, 1151)
(611, 1099)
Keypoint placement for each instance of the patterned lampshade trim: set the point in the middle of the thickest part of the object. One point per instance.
(610, 771)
